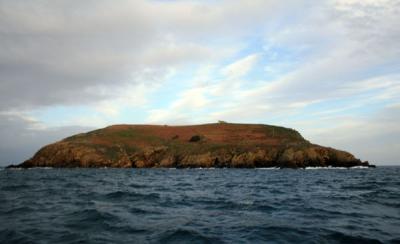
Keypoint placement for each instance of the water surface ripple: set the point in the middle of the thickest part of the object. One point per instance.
(200, 206)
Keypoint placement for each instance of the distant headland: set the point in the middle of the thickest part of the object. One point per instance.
(209, 145)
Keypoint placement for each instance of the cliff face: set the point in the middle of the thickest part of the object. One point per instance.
(209, 145)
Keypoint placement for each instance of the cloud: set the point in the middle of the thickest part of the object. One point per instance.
(341, 58)
(184, 109)
(64, 53)
(21, 137)
(205, 93)
(374, 138)
(240, 67)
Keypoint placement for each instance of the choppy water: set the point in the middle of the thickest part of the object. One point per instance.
(200, 206)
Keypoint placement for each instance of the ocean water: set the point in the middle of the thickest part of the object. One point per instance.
(200, 206)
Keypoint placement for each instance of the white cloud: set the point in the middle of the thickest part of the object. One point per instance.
(240, 68)
(373, 138)
(69, 48)
(206, 93)
(185, 109)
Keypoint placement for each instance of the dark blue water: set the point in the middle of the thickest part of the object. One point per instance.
(200, 206)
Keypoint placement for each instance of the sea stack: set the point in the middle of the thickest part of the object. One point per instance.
(208, 145)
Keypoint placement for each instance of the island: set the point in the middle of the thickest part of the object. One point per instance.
(193, 146)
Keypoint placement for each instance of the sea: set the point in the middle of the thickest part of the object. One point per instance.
(314, 205)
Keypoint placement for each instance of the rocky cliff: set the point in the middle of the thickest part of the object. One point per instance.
(209, 145)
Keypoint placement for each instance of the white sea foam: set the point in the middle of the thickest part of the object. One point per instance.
(16, 168)
(268, 168)
(41, 168)
(329, 167)
(202, 168)
(360, 167)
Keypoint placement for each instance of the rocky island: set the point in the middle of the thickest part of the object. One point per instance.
(208, 145)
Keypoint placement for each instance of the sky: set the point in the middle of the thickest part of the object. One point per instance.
(329, 69)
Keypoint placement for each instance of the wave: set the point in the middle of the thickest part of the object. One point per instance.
(359, 167)
(201, 168)
(20, 210)
(268, 168)
(88, 218)
(132, 196)
(134, 185)
(346, 238)
(330, 167)
(142, 211)
(327, 167)
(15, 168)
(14, 236)
(185, 236)
(12, 188)
(33, 168)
